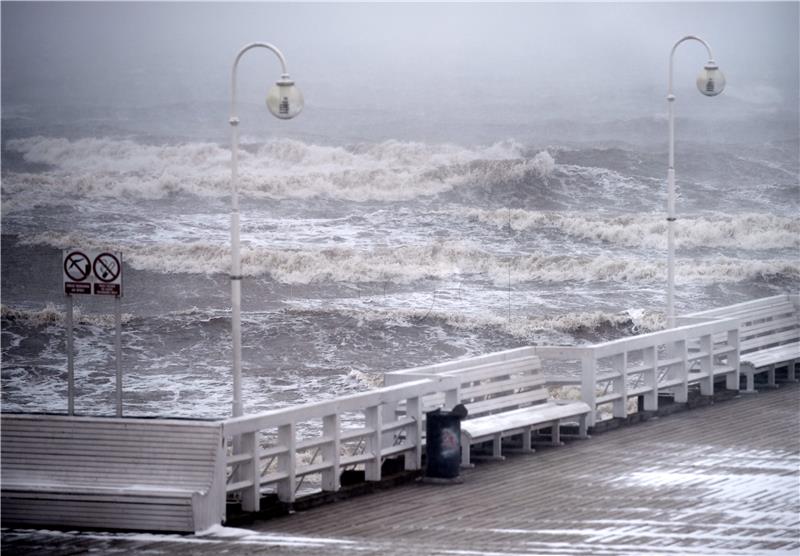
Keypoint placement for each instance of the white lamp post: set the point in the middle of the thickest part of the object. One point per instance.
(285, 101)
(710, 82)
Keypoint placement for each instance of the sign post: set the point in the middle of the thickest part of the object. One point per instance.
(93, 273)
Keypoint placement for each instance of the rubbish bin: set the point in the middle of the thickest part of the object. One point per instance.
(443, 443)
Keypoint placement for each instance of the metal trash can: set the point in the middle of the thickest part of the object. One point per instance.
(443, 443)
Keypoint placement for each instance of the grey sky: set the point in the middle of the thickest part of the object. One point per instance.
(577, 60)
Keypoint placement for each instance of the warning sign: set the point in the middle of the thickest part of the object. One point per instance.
(77, 271)
(92, 273)
(108, 274)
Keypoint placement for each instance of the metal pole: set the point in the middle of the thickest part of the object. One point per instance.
(118, 349)
(70, 361)
(671, 218)
(236, 264)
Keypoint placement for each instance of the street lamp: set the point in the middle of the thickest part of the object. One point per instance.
(710, 82)
(285, 101)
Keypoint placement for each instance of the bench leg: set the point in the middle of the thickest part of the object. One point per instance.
(556, 434)
(497, 447)
(465, 447)
(583, 430)
(790, 371)
(771, 377)
(749, 375)
(526, 440)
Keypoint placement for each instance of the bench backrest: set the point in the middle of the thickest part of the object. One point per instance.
(762, 323)
(111, 452)
(500, 386)
(761, 329)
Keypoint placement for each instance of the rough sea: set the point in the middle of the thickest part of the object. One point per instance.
(360, 256)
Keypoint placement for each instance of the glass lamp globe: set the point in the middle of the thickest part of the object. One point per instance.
(711, 81)
(284, 99)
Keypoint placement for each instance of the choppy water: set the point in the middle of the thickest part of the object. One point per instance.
(362, 258)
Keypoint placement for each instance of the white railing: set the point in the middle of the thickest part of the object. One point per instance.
(668, 361)
(356, 430)
(279, 449)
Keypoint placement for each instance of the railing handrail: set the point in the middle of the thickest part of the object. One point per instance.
(354, 402)
(763, 302)
(456, 364)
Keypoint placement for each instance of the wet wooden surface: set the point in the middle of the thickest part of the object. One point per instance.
(723, 479)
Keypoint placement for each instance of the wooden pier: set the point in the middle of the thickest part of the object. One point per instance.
(722, 479)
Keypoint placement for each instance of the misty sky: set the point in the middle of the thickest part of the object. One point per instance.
(437, 62)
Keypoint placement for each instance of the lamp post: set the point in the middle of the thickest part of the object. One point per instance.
(710, 82)
(285, 101)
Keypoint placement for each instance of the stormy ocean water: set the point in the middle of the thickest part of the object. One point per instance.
(368, 251)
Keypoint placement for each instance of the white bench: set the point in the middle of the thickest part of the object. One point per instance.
(506, 395)
(769, 336)
(510, 398)
(112, 473)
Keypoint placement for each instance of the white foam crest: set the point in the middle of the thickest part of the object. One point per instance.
(750, 231)
(281, 169)
(409, 263)
(637, 320)
(50, 314)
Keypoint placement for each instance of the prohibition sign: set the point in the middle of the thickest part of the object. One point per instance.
(77, 266)
(107, 267)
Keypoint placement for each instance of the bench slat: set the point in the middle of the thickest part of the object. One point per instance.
(510, 420)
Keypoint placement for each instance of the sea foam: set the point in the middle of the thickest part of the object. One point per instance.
(279, 169)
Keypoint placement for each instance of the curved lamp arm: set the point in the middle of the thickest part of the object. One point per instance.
(672, 58)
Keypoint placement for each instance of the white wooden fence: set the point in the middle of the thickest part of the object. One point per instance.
(364, 429)
(359, 429)
(667, 361)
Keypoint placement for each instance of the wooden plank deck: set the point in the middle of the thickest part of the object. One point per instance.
(721, 480)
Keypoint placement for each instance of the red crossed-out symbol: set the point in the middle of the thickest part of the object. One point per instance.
(77, 266)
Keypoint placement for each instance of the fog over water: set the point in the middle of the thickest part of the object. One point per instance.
(463, 178)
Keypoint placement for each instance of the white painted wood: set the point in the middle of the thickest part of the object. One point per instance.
(381, 424)
(112, 472)
(768, 337)
(331, 428)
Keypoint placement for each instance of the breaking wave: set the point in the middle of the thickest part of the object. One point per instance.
(279, 169)
(50, 314)
(436, 260)
(582, 323)
(744, 231)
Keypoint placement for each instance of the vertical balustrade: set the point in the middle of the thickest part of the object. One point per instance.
(372, 468)
(589, 384)
(413, 460)
(650, 378)
(251, 471)
(331, 452)
(620, 382)
(287, 462)
(707, 365)
(732, 379)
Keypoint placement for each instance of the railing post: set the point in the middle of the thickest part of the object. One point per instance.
(451, 398)
(287, 463)
(732, 379)
(707, 365)
(251, 497)
(413, 460)
(388, 414)
(331, 452)
(589, 384)
(620, 362)
(681, 392)
(372, 468)
(650, 379)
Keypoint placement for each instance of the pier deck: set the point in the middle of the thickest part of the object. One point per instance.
(722, 479)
